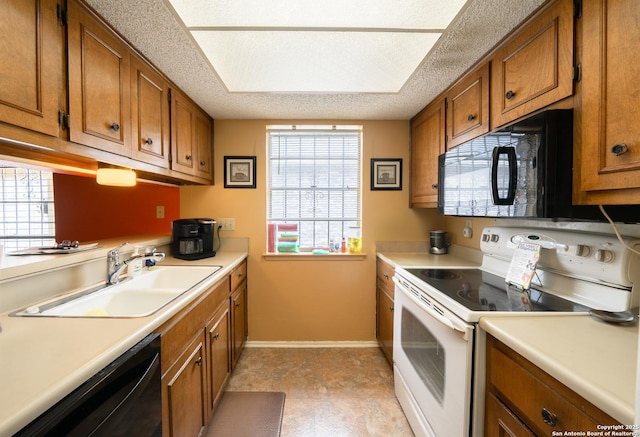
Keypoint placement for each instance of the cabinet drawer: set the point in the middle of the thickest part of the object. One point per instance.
(385, 273)
(540, 401)
(238, 275)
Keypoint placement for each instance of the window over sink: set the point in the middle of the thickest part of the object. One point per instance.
(314, 186)
(27, 216)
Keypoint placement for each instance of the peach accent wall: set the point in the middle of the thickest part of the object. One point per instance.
(315, 300)
(86, 211)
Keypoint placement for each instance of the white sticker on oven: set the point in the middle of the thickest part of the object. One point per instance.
(523, 265)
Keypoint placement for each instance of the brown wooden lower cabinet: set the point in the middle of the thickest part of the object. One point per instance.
(184, 393)
(200, 346)
(523, 400)
(384, 308)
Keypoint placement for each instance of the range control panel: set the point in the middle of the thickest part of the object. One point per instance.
(599, 257)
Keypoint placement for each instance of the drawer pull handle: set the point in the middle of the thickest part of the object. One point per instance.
(148, 141)
(471, 117)
(548, 417)
(619, 149)
(510, 95)
(434, 186)
(115, 127)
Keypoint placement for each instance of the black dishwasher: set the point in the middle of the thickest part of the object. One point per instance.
(123, 399)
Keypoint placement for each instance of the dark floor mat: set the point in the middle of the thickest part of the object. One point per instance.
(248, 414)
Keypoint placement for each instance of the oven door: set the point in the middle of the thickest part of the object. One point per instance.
(433, 364)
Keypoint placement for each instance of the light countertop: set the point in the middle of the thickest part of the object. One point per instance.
(595, 359)
(42, 359)
(458, 257)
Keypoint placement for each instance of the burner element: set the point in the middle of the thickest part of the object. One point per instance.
(445, 274)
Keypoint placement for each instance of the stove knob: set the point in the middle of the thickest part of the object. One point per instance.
(604, 256)
(583, 250)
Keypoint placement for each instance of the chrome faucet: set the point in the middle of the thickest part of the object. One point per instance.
(115, 266)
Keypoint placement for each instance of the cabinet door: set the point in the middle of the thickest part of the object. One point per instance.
(239, 321)
(182, 134)
(610, 132)
(31, 66)
(150, 114)
(219, 346)
(203, 145)
(185, 393)
(384, 321)
(468, 107)
(535, 67)
(501, 422)
(99, 84)
(427, 142)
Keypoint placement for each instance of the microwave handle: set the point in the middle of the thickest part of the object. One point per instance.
(513, 175)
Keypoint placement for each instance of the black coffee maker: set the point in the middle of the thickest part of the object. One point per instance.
(193, 238)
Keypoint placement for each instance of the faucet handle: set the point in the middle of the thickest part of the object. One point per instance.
(115, 252)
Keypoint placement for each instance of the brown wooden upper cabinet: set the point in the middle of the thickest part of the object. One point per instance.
(99, 84)
(427, 143)
(191, 131)
(610, 132)
(31, 67)
(534, 68)
(150, 114)
(468, 107)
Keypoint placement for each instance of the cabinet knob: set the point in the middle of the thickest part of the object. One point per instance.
(434, 186)
(471, 117)
(188, 157)
(216, 336)
(115, 127)
(619, 149)
(391, 309)
(510, 95)
(148, 141)
(386, 276)
(548, 417)
(199, 361)
(203, 163)
(237, 304)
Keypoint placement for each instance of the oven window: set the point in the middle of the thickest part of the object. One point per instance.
(426, 354)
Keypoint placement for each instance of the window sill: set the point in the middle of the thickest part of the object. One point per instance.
(308, 256)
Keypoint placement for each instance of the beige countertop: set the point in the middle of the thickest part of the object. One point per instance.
(458, 257)
(595, 359)
(42, 359)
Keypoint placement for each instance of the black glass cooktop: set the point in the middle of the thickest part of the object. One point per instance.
(481, 291)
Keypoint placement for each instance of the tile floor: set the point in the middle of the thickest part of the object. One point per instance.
(331, 392)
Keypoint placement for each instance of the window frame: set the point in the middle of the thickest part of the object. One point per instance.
(349, 225)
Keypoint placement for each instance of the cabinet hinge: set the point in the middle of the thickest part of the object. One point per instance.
(577, 8)
(63, 120)
(170, 157)
(63, 17)
(577, 73)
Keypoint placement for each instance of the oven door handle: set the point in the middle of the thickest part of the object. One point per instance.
(454, 325)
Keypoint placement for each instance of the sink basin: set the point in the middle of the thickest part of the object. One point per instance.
(134, 297)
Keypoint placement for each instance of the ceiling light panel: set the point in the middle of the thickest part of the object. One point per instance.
(314, 62)
(391, 14)
(310, 46)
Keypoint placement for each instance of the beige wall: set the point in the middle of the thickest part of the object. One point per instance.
(313, 300)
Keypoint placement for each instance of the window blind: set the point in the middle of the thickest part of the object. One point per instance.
(315, 181)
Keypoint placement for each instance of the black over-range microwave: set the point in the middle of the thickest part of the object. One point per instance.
(522, 171)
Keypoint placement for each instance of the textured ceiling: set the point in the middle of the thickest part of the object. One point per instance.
(150, 27)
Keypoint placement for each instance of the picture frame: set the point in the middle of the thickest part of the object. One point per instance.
(239, 171)
(386, 174)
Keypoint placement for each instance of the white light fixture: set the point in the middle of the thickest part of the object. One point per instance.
(307, 46)
(116, 177)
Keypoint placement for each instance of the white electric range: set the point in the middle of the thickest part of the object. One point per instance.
(438, 352)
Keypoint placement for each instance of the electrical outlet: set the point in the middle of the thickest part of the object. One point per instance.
(227, 224)
(160, 212)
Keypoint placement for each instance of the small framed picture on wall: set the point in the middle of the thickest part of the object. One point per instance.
(239, 171)
(386, 174)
